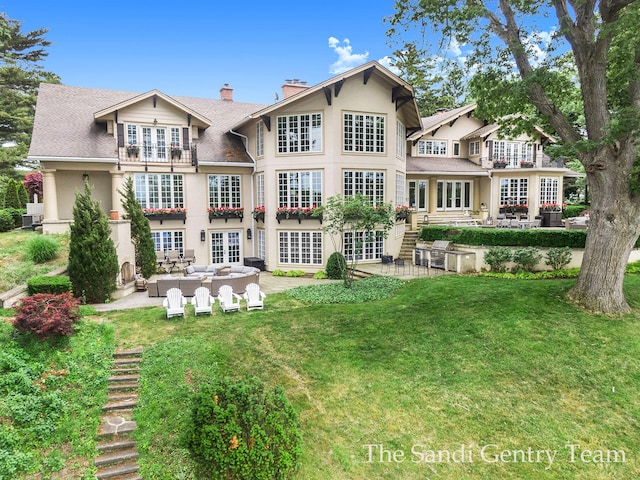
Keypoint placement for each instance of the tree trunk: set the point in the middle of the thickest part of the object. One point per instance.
(614, 226)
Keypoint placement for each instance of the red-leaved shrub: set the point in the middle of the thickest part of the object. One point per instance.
(46, 315)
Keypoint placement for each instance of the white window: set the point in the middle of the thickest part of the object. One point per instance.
(512, 152)
(368, 183)
(260, 190)
(454, 195)
(456, 149)
(400, 183)
(224, 191)
(363, 245)
(300, 247)
(300, 133)
(132, 135)
(154, 190)
(548, 190)
(154, 144)
(432, 147)
(474, 148)
(225, 246)
(300, 189)
(164, 241)
(175, 137)
(262, 244)
(260, 138)
(401, 141)
(514, 191)
(364, 133)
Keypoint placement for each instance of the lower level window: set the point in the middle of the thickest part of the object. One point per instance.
(164, 241)
(300, 247)
(363, 245)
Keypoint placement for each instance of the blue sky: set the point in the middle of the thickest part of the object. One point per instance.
(193, 48)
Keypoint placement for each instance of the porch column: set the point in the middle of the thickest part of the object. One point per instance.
(117, 183)
(50, 195)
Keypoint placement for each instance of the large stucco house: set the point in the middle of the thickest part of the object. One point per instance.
(357, 132)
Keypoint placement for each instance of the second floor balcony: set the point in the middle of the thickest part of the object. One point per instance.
(149, 153)
(541, 161)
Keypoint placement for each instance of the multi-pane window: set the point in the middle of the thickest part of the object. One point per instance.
(260, 189)
(300, 133)
(163, 241)
(262, 244)
(155, 190)
(364, 133)
(474, 148)
(363, 245)
(514, 191)
(432, 147)
(300, 247)
(132, 134)
(400, 183)
(548, 190)
(512, 152)
(260, 138)
(224, 191)
(368, 183)
(300, 189)
(401, 140)
(175, 137)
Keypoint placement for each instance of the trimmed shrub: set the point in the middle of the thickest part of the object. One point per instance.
(526, 259)
(6, 221)
(53, 284)
(336, 266)
(497, 258)
(41, 249)
(46, 315)
(295, 273)
(321, 275)
(16, 214)
(558, 257)
(241, 430)
(279, 273)
(574, 210)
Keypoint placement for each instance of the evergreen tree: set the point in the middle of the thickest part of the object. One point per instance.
(11, 198)
(140, 231)
(23, 195)
(93, 262)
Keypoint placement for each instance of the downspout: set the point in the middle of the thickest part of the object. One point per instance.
(245, 141)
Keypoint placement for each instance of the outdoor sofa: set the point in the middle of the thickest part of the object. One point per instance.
(236, 276)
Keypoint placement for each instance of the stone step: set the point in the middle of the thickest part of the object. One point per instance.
(113, 472)
(132, 352)
(120, 387)
(116, 456)
(125, 371)
(120, 396)
(123, 378)
(116, 426)
(119, 405)
(127, 361)
(109, 445)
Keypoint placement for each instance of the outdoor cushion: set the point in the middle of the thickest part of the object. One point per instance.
(190, 269)
(212, 269)
(237, 269)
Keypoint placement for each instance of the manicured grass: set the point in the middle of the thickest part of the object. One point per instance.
(14, 265)
(444, 363)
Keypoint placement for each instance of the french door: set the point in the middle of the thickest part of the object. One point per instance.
(225, 247)
(418, 195)
(154, 143)
(454, 195)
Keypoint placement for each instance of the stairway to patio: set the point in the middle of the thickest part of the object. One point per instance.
(408, 245)
(117, 453)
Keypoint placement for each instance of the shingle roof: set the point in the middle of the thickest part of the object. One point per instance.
(64, 124)
(443, 165)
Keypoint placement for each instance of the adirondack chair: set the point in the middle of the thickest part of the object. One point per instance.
(254, 297)
(174, 303)
(229, 301)
(202, 301)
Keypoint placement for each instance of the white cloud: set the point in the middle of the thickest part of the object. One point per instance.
(346, 58)
(389, 63)
(453, 48)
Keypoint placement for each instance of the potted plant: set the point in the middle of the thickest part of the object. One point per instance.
(500, 163)
(133, 150)
(176, 151)
(225, 212)
(258, 213)
(161, 214)
(526, 164)
(402, 212)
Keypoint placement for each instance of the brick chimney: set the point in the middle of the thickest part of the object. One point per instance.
(226, 93)
(291, 87)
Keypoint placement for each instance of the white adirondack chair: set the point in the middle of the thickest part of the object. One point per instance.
(202, 301)
(174, 303)
(229, 301)
(254, 297)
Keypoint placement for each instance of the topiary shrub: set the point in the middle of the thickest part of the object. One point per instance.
(336, 266)
(46, 315)
(53, 284)
(241, 430)
(558, 258)
(526, 259)
(497, 258)
(6, 221)
(41, 249)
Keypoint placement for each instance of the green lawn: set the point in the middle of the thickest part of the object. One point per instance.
(452, 364)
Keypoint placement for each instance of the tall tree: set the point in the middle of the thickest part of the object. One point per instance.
(140, 231)
(93, 261)
(602, 37)
(21, 73)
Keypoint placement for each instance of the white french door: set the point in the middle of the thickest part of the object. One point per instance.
(225, 247)
(418, 195)
(154, 144)
(454, 195)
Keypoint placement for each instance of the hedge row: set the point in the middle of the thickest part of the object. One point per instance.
(53, 284)
(506, 237)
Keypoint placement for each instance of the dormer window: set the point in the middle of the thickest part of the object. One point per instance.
(432, 148)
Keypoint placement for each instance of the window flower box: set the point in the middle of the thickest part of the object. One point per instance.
(258, 213)
(526, 164)
(226, 213)
(299, 213)
(499, 164)
(133, 150)
(402, 212)
(162, 214)
(176, 151)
